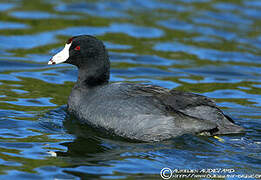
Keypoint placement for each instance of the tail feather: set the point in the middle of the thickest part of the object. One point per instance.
(226, 126)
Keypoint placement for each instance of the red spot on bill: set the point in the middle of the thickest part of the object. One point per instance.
(69, 40)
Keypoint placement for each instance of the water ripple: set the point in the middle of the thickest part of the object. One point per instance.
(203, 46)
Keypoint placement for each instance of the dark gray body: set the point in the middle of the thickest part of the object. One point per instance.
(148, 113)
(135, 111)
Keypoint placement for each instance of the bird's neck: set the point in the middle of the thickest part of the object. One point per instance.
(91, 77)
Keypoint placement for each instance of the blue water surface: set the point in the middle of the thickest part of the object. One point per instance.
(202, 46)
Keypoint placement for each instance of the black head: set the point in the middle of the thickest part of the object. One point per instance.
(90, 56)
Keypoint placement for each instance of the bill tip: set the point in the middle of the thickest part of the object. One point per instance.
(51, 62)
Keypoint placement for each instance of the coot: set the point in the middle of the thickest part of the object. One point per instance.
(135, 111)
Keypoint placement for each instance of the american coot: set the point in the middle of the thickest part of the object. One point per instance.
(136, 111)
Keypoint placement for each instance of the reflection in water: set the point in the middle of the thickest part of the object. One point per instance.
(111, 154)
(213, 50)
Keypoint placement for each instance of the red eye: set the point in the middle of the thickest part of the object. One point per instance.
(77, 48)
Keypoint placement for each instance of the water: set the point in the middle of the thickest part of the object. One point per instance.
(202, 46)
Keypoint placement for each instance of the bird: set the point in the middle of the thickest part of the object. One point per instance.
(136, 111)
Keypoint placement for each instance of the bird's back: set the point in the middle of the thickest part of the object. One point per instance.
(135, 111)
